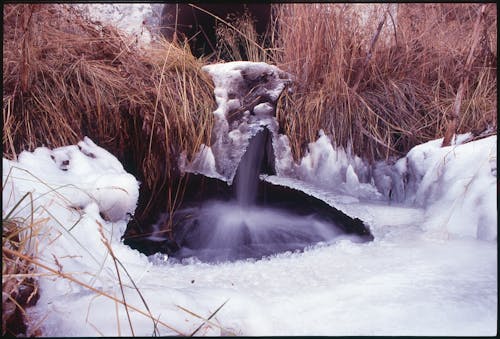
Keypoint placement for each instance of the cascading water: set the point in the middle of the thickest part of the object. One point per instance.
(249, 169)
(243, 227)
(249, 218)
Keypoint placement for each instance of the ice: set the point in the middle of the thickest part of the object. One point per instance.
(335, 169)
(248, 91)
(408, 281)
(203, 163)
(229, 77)
(456, 185)
(263, 109)
(324, 164)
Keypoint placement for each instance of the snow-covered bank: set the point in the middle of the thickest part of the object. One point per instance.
(406, 282)
(456, 185)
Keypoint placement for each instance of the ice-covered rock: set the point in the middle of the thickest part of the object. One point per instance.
(246, 94)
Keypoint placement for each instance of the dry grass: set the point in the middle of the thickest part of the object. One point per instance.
(19, 284)
(66, 77)
(19, 287)
(237, 39)
(398, 97)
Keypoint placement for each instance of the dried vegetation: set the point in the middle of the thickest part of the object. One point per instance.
(384, 78)
(380, 82)
(66, 77)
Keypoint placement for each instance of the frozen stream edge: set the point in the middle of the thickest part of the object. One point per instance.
(416, 278)
(406, 282)
(403, 283)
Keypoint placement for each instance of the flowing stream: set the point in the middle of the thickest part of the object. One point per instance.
(241, 228)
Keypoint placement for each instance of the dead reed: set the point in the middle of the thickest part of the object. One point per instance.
(383, 78)
(381, 81)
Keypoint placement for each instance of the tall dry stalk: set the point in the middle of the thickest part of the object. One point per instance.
(455, 112)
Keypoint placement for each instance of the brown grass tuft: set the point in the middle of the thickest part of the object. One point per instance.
(19, 283)
(66, 77)
(400, 97)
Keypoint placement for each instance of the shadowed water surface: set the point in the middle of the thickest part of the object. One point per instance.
(251, 218)
(226, 231)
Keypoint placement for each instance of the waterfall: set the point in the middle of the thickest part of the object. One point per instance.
(249, 169)
(239, 222)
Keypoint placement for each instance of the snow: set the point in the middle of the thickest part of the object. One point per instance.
(456, 185)
(406, 282)
(431, 269)
(84, 174)
(229, 77)
(138, 20)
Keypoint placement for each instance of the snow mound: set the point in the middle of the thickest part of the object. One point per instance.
(83, 174)
(456, 185)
